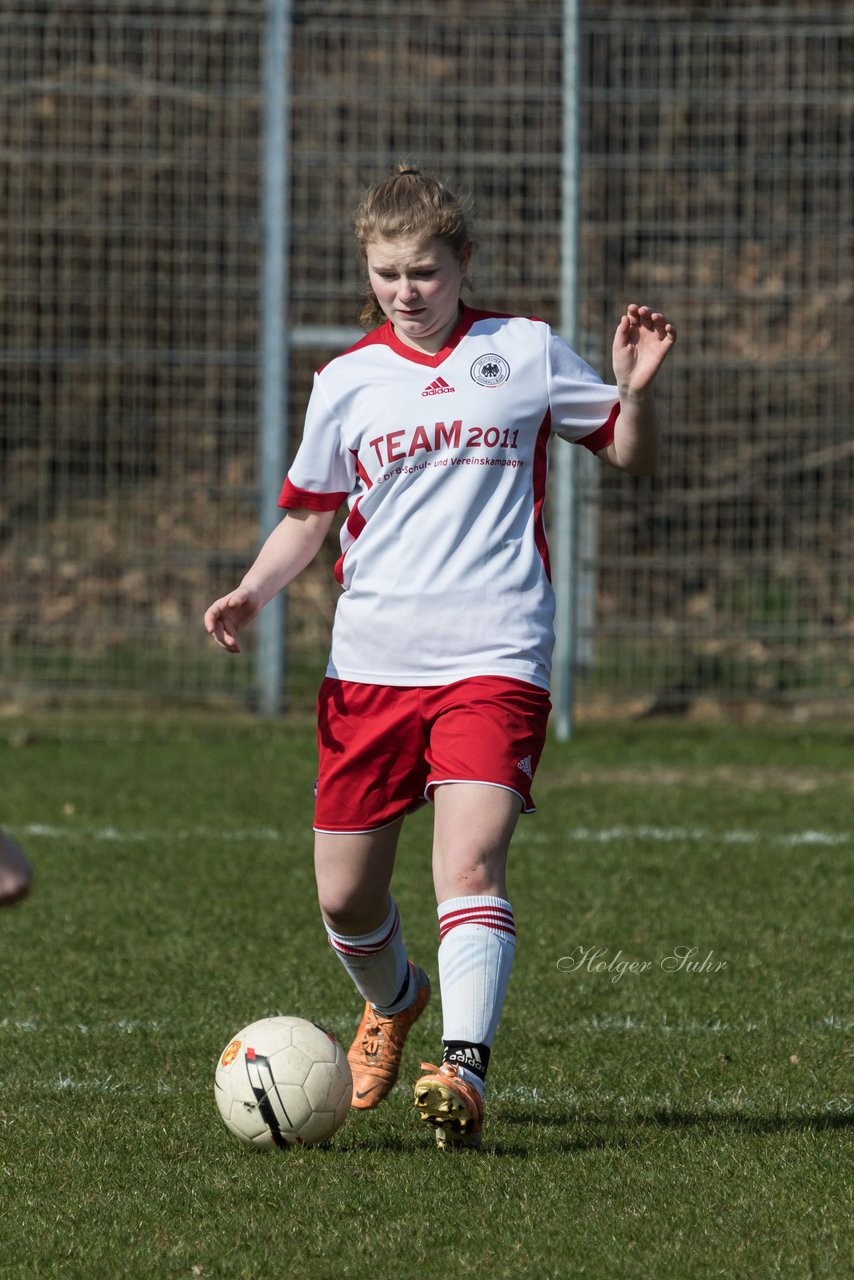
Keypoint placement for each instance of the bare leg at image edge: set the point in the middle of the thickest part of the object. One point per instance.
(16, 874)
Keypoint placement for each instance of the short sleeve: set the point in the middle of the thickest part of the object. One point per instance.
(323, 473)
(583, 407)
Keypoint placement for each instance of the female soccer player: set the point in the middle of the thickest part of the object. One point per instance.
(434, 430)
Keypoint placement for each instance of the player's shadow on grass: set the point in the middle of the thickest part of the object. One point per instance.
(603, 1132)
(617, 1131)
(750, 1123)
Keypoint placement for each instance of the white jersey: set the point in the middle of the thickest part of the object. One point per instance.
(442, 460)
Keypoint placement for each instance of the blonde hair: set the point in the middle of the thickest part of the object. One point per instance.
(409, 204)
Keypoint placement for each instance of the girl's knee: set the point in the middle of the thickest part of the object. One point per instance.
(354, 912)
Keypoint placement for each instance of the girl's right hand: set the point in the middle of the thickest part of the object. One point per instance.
(226, 616)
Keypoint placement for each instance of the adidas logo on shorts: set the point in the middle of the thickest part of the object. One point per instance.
(525, 766)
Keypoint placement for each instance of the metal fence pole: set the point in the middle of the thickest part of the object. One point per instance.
(566, 519)
(274, 355)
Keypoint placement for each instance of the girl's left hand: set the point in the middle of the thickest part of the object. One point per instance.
(643, 340)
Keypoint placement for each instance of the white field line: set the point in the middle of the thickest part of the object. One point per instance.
(526, 834)
(115, 1086)
(720, 1104)
(118, 835)
(690, 835)
(596, 1022)
(600, 1103)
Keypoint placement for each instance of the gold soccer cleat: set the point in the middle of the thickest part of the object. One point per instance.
(453, 1107)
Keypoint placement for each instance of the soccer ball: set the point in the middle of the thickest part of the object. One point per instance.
(283, 1082)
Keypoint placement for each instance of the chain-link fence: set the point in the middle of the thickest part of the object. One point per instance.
(719, 179)
(716, 183)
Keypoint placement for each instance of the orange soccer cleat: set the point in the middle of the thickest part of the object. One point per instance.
(453, 1107)
(375, 1054)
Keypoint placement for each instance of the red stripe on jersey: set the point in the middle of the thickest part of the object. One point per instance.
(541, 471)
(498, 919)
(360, 470)
(369, 340)
(465, 322)
(305, 499)
(602, 436)
(354, 526)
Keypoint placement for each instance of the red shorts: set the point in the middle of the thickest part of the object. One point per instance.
(382, 748)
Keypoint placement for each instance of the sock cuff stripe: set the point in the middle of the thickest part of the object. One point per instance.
(496, 918)
(367, 945)
(472, 900)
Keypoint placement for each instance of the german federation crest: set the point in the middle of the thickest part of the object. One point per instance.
(490, 370)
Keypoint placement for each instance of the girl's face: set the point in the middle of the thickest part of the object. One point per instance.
(417, 284)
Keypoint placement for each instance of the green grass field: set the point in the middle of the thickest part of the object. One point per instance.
(652, 1122)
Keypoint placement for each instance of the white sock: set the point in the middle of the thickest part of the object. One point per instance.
(477, 942)
(377, 963)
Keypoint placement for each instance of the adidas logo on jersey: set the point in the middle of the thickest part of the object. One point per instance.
(525, 766)
(437, 388)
